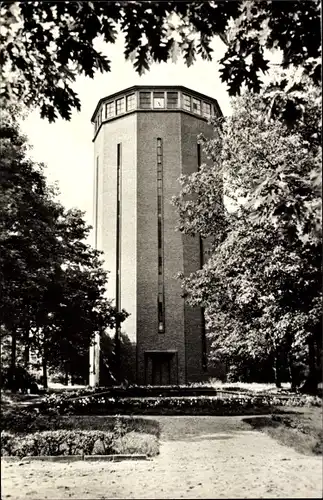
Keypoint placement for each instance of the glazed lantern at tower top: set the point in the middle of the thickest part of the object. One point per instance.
(153, 98)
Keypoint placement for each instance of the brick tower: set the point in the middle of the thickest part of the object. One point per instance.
(145, 137)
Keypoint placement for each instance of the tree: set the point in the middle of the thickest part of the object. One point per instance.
(74, 306)
(28, 245)
(44, 45)
(53, 283)
(261, 284)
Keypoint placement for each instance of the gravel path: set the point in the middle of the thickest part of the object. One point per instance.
(200, 457)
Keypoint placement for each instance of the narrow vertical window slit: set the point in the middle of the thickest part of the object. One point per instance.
(118, 229)
(160, 238)
(96, 203)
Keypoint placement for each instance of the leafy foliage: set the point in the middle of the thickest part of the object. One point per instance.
(260, 286)
(59, 442)
(44, 45)
(24, 380)
(292, 28)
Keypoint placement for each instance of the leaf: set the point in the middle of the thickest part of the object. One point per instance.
(188, 52)
(245, 28)
(174, 50)
(141, 63)
(204, 49)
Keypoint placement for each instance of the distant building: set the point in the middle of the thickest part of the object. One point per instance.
(145, 137)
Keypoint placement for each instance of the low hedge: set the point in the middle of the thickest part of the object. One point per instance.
(62, 442)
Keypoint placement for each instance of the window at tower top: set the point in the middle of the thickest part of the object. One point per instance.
(206, 107)
(172, 100)
(130, 102)
(120, 106)
(109, 109)
(186, 102)
(145, 100)
(196, 106)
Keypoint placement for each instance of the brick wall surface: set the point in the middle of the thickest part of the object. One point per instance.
(152, 125)
(138, 133)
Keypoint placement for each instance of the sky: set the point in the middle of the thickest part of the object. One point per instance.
(66, 146)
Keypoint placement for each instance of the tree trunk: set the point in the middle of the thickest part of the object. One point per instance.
(44, 364)
(66, 373)
(117, 352)
(276, 368)
(319, 358)
(12, 382)
(310, 385)
(26, 350)
(26, 357)
(292, 374)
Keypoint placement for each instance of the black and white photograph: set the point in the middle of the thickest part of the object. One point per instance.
(161, 249)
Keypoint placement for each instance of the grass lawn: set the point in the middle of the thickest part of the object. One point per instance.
(9, 398)
(298, 428)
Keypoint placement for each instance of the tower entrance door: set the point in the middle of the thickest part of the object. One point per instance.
(161, 371)
(161, 368)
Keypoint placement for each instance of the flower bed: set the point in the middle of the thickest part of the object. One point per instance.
(136, 391)
(223, 403)
(280, 397)
(103, 404)
(62, 442)
(298, 401)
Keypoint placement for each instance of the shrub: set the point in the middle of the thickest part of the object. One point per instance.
(133, 442)
(6, 443)
(318, 447)
(18, 379)
(62, 442)
(58, 442)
